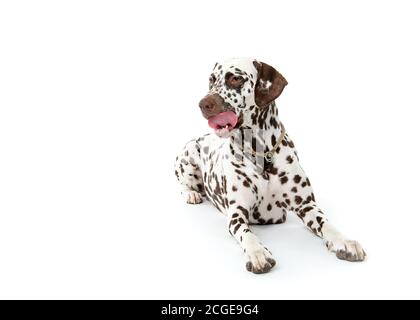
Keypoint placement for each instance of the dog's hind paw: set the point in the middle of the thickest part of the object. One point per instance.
(192, 197)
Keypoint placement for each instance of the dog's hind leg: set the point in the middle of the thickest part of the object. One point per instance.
(188, 173)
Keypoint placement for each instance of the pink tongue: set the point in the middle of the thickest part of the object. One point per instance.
(222, 119)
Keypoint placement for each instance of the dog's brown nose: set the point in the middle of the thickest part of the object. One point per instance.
(211, 105)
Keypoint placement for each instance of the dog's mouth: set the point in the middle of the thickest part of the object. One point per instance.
(223, 123)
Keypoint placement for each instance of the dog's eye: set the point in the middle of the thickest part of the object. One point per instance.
(233, 81)
(212, 79)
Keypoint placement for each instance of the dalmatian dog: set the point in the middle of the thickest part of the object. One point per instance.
(248, 167)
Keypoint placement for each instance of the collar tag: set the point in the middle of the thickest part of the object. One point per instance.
(269, 156)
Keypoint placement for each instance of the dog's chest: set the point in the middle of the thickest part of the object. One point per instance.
(226, 178)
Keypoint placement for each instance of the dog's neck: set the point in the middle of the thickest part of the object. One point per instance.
(260, 130)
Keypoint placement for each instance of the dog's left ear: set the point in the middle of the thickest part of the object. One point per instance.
(270, 84)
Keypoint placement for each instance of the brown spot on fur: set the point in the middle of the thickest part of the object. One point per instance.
(271, 169)
(236, 229)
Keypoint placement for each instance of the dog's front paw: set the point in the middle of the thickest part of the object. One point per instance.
(192, 197)
(347, 250)
(260, 259)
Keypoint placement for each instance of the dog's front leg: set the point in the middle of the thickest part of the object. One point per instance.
(308, 211)
(259, 259)
(344, 249)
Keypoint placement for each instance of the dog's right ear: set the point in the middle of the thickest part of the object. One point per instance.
(270, 84)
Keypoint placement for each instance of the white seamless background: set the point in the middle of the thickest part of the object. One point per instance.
(97, 97)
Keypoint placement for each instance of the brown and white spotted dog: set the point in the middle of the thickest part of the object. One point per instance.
(249, 167)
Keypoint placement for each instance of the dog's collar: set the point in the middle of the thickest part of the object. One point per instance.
(268, 156)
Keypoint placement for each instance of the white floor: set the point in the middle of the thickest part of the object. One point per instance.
(209, 264)
(117, 247)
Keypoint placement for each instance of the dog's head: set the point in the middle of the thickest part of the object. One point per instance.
(236, 87)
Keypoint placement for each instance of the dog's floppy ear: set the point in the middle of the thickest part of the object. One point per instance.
(270, 84)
